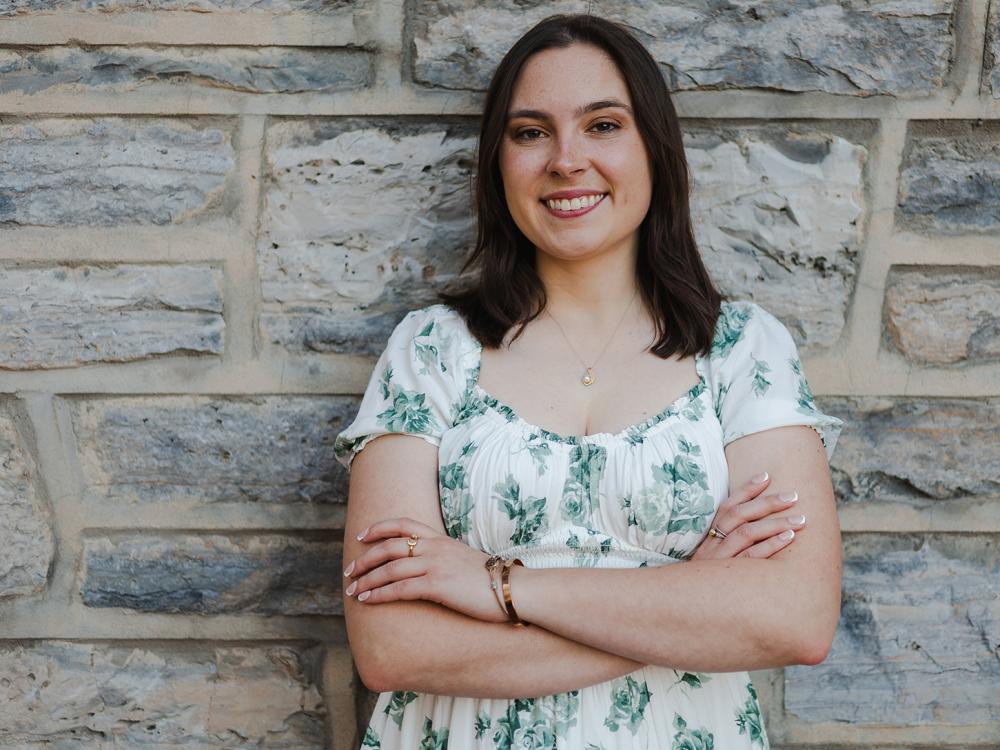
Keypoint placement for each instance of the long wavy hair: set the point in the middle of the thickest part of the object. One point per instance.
(673, 282)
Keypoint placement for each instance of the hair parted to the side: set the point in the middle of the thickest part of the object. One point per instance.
(673, 282)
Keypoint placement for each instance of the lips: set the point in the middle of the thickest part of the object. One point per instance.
(573, 212)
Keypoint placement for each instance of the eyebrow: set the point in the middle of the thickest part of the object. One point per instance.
(538, 114)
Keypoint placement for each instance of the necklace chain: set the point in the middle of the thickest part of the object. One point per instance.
(588, 376)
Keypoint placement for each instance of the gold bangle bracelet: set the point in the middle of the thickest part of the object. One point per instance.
(518, 622)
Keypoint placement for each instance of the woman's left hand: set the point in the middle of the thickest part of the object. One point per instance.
(442, 570)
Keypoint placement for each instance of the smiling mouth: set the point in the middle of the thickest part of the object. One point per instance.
(564, 208)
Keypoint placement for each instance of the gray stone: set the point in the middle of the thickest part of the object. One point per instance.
(26, 543)
(111, 171)
(916, 451)
(776, 216)
(944, 316)
(325, 7)
(60, 695)
(267, 70)
(197, 450)
(361, 220)
(838, 47)
(950, 178)
(991, 60)
(918, 642)
(204, 573)
(62, 316)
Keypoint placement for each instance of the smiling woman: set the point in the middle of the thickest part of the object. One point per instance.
(572, 481)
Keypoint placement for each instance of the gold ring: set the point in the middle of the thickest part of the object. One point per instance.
(411, 543)
(716, 532)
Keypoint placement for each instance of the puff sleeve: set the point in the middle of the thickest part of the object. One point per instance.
(412, 390)
(759, 379)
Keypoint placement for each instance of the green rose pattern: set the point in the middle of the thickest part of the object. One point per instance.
(673, 502)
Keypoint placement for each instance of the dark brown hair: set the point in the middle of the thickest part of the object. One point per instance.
(673, 282)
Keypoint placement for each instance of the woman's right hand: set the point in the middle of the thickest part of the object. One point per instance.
(753, 524)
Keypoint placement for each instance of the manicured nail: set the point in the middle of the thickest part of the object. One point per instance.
(759, 478)
(349, 569)
(788, 497)
(364, 595)
(362, 534)
(350, 589)
(797, 520)
(783, 535)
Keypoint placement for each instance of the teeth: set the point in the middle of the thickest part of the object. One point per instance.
(575, 204)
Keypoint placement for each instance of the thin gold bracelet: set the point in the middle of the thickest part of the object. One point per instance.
(518, 622)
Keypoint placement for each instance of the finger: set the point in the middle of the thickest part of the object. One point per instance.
(403, 526)
(748, 534)
(760, 507)
(406, 589)
(769, 546)
(394, 570)
(750, 489)
(389, 549)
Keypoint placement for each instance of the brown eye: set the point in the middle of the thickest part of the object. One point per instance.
(521, 135)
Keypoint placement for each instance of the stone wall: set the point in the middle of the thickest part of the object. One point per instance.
(212, 213)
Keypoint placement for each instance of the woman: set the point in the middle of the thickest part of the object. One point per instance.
(537, 445)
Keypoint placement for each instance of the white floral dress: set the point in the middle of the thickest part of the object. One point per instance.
(641, 496)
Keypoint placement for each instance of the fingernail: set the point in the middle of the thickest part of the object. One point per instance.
(798, 520)
(364, 595)
(350, 589)
(759, 478)
(362, 534)
(783, 535)
(349, 569)
(788, 497)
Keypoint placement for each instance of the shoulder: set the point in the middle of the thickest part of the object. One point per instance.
(743, 327)
(433, 338)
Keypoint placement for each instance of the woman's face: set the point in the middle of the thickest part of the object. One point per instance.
(571, 133)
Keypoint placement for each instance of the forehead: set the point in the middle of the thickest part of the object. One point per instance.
(561, 79)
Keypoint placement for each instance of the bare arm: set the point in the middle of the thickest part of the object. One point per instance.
(426, 647)
(713, 615)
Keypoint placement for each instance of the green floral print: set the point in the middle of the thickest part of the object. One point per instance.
(760, 384)
(629, 700)
(397, 704)
(749, 721)
(581, 492)
(371, 739)
(528, 514)
(589, 555)
(729, 328)
(691, 739)
(433, 739)
(457, 502)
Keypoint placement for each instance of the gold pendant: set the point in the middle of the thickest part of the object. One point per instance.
(588, 378)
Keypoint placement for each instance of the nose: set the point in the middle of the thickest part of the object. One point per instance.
(568, 156)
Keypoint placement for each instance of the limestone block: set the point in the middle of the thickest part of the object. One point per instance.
(111, 171)
(198, 450)
(204, 573)
(64, 316)
(26, 542)
(61, 694)
(256, 70)
(919, 637)
(948, 181)
(944, 316)
(836, 47)
(359, 216)
(776, 213)
(916, 450)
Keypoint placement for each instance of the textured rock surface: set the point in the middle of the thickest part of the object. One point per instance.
(944, 316)
(830, 46)
(63, 316)
(201, 449)
(916, 450)
(213, 573)
(267, 70)
(15, 7)
(359, 215)
(59, 694)
(776, 213)
(919, 637)
(949, 181)
(26, 543)
(109, 171)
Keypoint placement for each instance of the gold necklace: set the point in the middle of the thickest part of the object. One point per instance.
(588, 376)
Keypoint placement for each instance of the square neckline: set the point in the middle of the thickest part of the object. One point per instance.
(628, 433)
